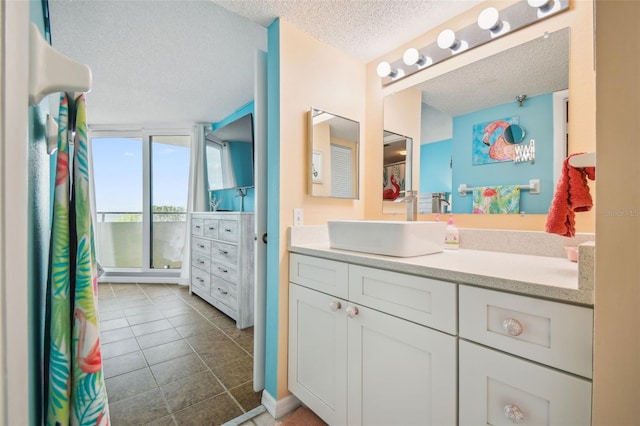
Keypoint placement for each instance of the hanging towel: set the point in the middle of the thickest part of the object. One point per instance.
(571, 196)
(76, 392)
(501, 199)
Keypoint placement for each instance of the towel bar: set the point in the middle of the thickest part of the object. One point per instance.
(533, 187)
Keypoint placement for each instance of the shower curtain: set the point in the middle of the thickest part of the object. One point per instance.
(75, 389)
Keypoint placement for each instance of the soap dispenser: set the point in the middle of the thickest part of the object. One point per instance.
(451, 235)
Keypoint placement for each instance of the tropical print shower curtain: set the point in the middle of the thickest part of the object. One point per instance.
(75, 389)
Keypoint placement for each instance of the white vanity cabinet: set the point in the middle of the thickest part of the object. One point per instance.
(222, 262)
(360, 365)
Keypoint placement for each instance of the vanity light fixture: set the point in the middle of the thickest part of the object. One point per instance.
(489, 19)
(520, 99)
(413, 57)
(491, 23)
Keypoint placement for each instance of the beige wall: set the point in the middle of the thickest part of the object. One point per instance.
(617, 311)
(311, 74)
(581, 107)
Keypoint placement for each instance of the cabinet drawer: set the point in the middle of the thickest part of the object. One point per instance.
(227, 253)
(224, 271)
(492, 383)
(200, 261)
(200, 279)
(422, 300)
(324, 275)
(197, 226)
(552, 333)
(225, 292)
(228, 230)
(211, 228)
(202, 246)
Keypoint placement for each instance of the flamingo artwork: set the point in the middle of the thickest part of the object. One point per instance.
(499, 149)
(393, 192)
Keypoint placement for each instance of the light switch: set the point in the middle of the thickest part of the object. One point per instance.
(298, 217)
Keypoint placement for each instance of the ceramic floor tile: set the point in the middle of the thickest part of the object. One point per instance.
(264, 419)
(139, 303)
(121, 347)
(220, 352)
(183, 393)
(109, 315)
(167, 351)
(140, 310)
(115, 335)
(150, 327)
(123, 364)
(113, 324)
(131, 296)
(130, 384)
(213, 411)
(246, 397)
(235, 372)
(138, 410)
(164, 421)
(175, 311)
(177, 369)
(158, 338)
(195, 329)
(190, 318)
(143, 317)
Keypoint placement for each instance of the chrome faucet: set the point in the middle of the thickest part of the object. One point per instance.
(411, 198)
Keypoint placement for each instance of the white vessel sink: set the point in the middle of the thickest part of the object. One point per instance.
(391, 238)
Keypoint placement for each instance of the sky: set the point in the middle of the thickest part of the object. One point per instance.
(118, 174)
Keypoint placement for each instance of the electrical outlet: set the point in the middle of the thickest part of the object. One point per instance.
(298, 217)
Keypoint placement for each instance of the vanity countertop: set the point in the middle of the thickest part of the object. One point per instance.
(548, 277)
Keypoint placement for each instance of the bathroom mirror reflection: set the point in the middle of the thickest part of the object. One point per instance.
(462, 116)
(396, 168)
(333, 164)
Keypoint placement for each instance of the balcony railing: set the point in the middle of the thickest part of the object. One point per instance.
(119, 239)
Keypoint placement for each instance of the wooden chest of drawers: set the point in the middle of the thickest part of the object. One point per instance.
(222, 262)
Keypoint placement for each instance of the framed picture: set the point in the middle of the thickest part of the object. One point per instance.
(316, 167)
(489, 144)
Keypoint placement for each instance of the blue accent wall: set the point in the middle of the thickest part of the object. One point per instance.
(435, 166)
(231, 201)
(273, 208)
(536, 117)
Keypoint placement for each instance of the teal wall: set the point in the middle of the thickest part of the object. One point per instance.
(536, 117)
(39, 189)
(273, 208)
(435, 166)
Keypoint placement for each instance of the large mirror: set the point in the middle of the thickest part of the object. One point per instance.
(334, 146)
(463, 116)
(229, 155)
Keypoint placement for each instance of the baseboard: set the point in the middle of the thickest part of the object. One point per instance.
(279, 408)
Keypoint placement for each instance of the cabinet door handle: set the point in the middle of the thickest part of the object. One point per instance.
(352, 311)
(223, 251)
(222, 269)
(513, 413)
(335, 305)
(512, 327)
(222, 291)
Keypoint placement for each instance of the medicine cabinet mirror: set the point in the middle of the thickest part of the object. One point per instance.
(452, 107)
(334, 159)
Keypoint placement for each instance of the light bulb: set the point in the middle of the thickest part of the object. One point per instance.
(489, 19)
(447, 40)
(384, 70)
(412, 57)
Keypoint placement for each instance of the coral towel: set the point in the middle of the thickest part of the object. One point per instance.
(571, 196)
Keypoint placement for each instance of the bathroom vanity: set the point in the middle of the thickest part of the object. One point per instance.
(222, 262)
(467, 337)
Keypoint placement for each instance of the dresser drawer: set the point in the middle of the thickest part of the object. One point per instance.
(211, 228)
(227, 253)
(228, 230)
(225, 292)
(224, 271)
(494, 384)
(552, 333)
(324, 275)
(202, 246)
(197, 226)
(200, 279)
(422, 300)
(201, 261)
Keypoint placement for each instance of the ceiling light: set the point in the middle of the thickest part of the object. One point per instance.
(384, 70)
(489, 19)
(545, 7)
(447, 40)
(413, 57)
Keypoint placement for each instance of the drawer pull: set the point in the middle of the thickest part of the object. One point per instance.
(212, 228)
(222, 269)
(199, 279)
(227, 229)
(512, 327)
(335, 305)
(513, 413)
(352, 311)
(223, 251)
(222, 291)
(201, 245)
(200, 261)
(197, 226)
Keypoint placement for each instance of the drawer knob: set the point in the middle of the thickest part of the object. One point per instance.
(335, 305)
(352, 311)
(222, 291)
(513, 413)
(512, 327)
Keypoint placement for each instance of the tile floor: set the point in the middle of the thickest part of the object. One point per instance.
(172, 359)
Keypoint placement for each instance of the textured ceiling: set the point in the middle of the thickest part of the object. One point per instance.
(175, 62)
